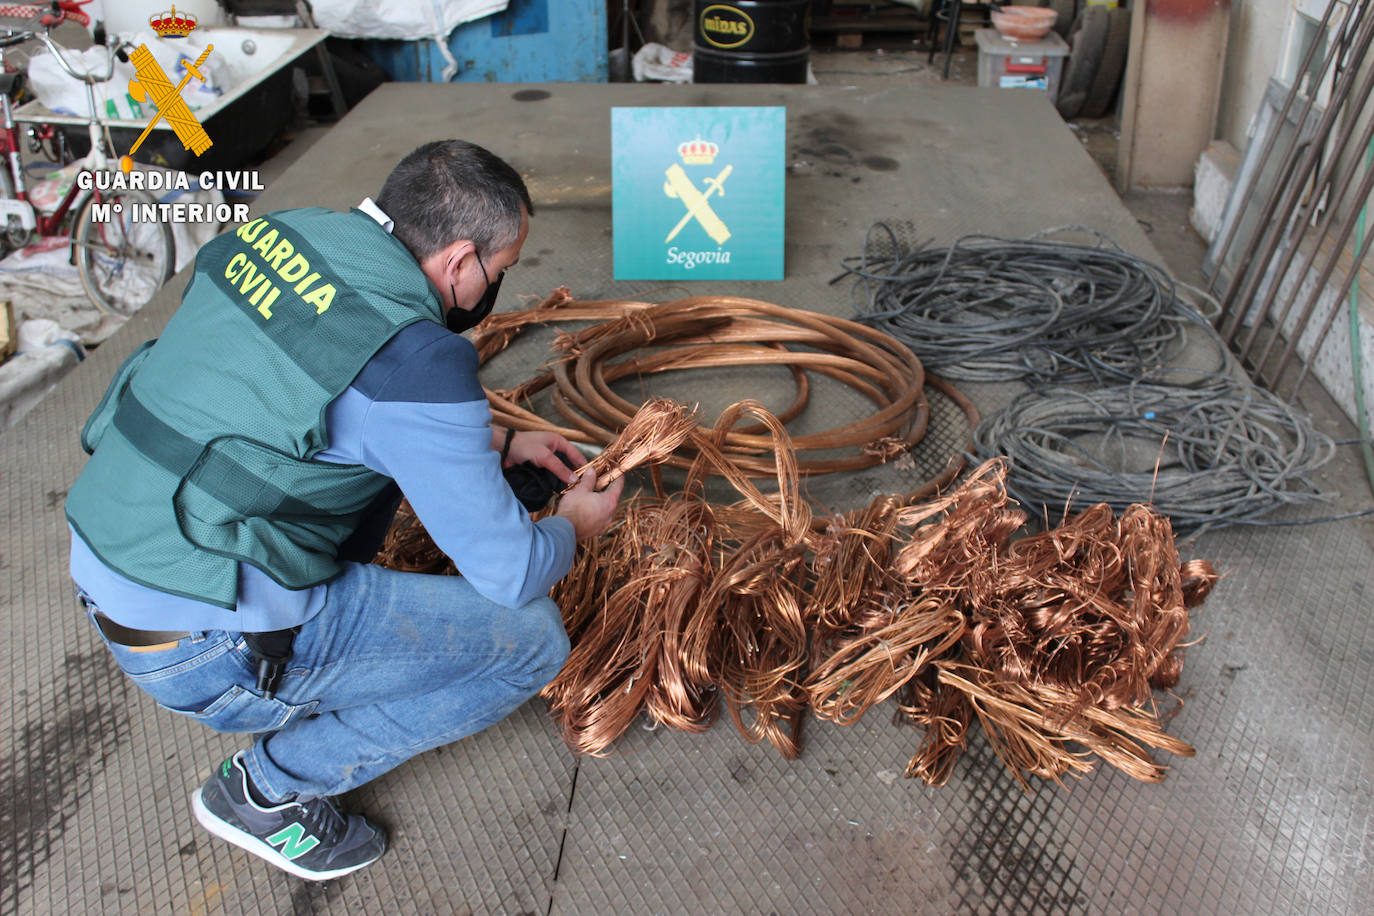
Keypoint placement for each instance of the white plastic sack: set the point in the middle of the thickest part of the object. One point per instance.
(66, 95)
(40, 333)
(46, 353)
(656, 62)
(62, 94)
(406, 20)
(41, 283)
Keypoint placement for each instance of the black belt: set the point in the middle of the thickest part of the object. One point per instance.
(137, 639)
(271, 650)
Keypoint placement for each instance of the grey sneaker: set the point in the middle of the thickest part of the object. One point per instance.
(307, 837)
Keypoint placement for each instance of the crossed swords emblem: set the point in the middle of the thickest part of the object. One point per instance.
(153, 82)
(697, 202)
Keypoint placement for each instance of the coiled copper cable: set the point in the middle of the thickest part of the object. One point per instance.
(639, 338)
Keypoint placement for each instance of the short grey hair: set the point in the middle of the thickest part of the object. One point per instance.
(449, 190)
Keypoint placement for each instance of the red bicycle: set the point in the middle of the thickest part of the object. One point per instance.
(122, 260)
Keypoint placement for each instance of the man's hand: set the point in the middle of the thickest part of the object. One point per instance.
(589, 511)
(542, 448)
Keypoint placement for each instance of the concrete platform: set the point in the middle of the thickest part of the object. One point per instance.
(1272, 816)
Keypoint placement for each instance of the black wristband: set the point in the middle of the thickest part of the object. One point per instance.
(505, 449)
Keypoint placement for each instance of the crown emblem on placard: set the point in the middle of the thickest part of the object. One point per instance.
(171, 24)
(698, 152)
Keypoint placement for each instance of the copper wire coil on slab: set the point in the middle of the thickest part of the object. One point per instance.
(639, 338)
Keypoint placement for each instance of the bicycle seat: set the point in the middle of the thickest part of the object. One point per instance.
(9, 41)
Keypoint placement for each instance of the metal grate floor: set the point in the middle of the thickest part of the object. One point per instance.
(1273, 815)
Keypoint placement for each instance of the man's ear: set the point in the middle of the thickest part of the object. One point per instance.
(444, 265)
(459, 250)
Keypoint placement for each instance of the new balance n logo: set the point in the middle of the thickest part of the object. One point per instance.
(293, 840)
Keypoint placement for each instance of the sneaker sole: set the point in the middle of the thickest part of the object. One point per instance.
(226, 831)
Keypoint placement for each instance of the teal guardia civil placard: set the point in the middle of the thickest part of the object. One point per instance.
(697, 193)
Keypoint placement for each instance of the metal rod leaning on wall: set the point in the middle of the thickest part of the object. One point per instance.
(1297, 146)
(1275, 217)
(1365, 186)
(1234, 302)
(1301, 224)
(1272, 140)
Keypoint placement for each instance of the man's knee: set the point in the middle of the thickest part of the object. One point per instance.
(550, 638)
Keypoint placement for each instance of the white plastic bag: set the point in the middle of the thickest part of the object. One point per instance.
(66, 95)
(403, 19)
(656, 62)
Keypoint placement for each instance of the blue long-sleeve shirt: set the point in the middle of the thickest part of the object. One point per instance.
(416, 413)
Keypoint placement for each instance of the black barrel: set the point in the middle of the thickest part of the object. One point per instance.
(751, 41)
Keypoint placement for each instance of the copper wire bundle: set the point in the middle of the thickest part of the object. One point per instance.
(1065, 639)
(651, 436)
(885, 648)
(656, 429)
(1100, 610)
(879, 661)
(1052, 642)
(636, 339)
(1013, 718)
(946, 715)
(628, 634)
(853, 583)
(695, 605)
(752, 613)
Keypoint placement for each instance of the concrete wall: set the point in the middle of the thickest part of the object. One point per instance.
(668, 22)
(1253, 50)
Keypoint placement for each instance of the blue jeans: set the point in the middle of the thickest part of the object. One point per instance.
(393, 665)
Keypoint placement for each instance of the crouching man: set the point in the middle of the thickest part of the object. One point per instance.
(244, 466)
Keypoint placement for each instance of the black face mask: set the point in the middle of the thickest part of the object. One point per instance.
(459, 320)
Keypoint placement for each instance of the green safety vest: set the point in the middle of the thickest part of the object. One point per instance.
(201, 447)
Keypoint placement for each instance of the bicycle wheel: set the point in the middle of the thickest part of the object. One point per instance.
(123, 259)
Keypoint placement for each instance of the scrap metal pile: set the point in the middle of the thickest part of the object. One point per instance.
(1052, 642)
